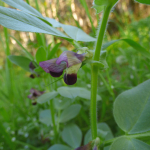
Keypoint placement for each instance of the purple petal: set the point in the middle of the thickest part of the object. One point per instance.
(31, 66)
(70, 79)
(85, 147)
(50, 65)
(30, 96)
(34, 93)
(95, 148)
(71, 58)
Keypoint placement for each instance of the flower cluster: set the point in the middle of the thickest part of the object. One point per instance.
(34, 94)
(68, 60)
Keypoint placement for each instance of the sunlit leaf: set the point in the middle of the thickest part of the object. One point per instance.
(20, 21)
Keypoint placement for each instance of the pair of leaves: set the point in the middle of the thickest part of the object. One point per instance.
(132, 113)
(66, 115)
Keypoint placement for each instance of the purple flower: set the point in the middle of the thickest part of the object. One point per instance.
(95, 148)
(85, 147)
(68, 60)
(34, 94)
(32, 67)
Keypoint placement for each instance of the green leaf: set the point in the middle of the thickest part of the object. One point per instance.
(98, 8)
(20, 21)
(21, 61)
(68, 92)
(47, 97)
(125, 143)
(45, 117)
(61, 104)
(133, 44)
(77, 34)
(103, 130)
(59, 147)
(70, 113)
(40, 55)
(73, 92)
(72, 135)
(22, 5)
(105, 2)
(103, 59)
(143, 1)
(131, 109)
(53, 51)
(23, 49)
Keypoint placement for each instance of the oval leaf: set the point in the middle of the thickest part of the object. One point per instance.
(40, 55)
(124, 143)
(72, 135)
(45, 117)
(131, 109)
(21, 61)
(59, 147)
(70, 113)
(46, 97)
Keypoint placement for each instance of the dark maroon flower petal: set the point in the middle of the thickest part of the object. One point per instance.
(32, 76)
(34, 103)
(70, 79)
(56, 74)
(31, 66)
(34, 94)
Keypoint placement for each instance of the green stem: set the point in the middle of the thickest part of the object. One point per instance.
(101, 32)
(53, 119)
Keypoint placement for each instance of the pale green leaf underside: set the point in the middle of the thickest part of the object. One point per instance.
(20, 21)
(77, 34)
(132, 109)
(124, 143)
